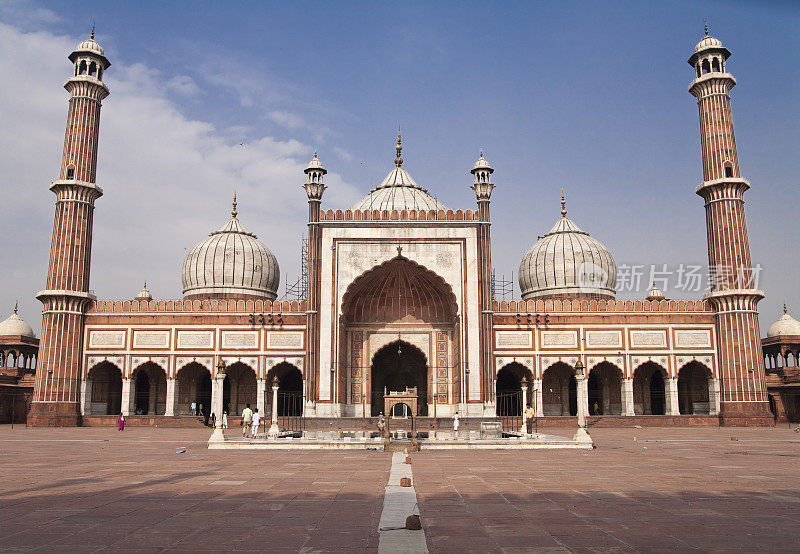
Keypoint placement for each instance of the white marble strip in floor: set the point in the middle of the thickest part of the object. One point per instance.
(399, 503)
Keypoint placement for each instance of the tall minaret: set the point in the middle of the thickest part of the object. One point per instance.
(733, 295)
(58, 375)
(483, 192)
(314, 188)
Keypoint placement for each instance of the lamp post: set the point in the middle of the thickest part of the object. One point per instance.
(524, 384)
(581, 435)
(274, 431)
(216, 404)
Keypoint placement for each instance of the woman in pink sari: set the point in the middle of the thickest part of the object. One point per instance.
(121, 422)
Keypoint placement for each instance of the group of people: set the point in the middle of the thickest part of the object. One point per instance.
(251, 421)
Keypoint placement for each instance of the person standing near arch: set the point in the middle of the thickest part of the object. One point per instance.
(456, 421)
(247, 420)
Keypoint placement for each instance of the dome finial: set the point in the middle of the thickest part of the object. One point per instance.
(315, 153)
(398, 160)
(16, 307)
(705, 23)
(481, 151)
(784, 308)
(234, 212)
(91, 35)
(563, 205)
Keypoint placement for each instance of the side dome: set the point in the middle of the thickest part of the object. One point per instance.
(786, 325)
(567, 262)
(231, 263)
(14, 326)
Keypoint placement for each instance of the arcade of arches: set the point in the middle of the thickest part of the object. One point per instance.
(650, 392)
(148, 390)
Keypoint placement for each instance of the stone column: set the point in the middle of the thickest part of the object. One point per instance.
(672, 397)
(581, 435)
(274, 431)
(127, 392)
(523, 428)
(261, 391)
(216, 406)
(537, 398)
(86, 397)
(713, 396)
(171, 397)
(583, 400)
(627, 397)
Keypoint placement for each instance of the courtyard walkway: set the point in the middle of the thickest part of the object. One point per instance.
(644, 490)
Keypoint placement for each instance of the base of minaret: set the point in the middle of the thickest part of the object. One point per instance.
(54, 414)
(746, 414)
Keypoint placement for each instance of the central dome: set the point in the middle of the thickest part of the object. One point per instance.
(567, 262)
(14, 325)
(398, 191)
(231, 263)
(786, 325)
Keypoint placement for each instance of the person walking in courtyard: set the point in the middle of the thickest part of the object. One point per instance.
(530, 417)
(256, 422)
(224, 420)
(121, 422)
(455, 424)
(247, 420)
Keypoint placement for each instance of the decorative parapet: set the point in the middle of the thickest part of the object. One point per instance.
(395, 215)
(194, 306)
(626, 306)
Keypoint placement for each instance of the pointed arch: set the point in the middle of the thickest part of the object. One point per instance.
(650, 389)
(559, 390)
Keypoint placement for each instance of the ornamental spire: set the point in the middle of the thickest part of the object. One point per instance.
(234, 212)
(91, 35)
(398, 160)
(16, 307)
(784, 308)
(563, 205)
(705, 23)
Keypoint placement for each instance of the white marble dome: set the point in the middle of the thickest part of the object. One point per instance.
(786, 325)
(707, 42)
(14, 325)
(398, 191)
(89, 45)
(566, 262)
(231, 263)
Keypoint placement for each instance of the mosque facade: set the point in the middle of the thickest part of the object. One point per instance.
(399, 295)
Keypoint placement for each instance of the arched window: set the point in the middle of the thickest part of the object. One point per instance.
(706, 67)
(82, 70)
(715, 65)
(728, 169)
(70, 172)
(99, 72)
(697, 67)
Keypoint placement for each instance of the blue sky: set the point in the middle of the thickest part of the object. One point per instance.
(586, 96)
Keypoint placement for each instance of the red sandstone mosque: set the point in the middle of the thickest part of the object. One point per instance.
(399, 294)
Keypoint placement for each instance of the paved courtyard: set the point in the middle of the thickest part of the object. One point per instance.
(640, 490)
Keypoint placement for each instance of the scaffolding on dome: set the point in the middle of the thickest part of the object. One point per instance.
(502, 288)
(298, 289)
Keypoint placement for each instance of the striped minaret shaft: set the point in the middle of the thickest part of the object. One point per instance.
(483, 188)
(733, 279)
(56, 393)
(314, 188)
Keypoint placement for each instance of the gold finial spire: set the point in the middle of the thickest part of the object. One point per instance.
(398, 160)
(234, 213)
(481, 151)
(91, 36)
(16, 307)
(705, 23)
(315, 153)
(563, 205)
(145, 284)
(784, 308)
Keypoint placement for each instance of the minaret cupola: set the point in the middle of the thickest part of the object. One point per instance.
(483, 179)
(89, 59)
(709, 56)
(315, 188)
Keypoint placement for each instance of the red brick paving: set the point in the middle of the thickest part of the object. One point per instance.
(98, 489)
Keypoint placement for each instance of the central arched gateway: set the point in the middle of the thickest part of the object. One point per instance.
(395, 367)
(399, 328)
